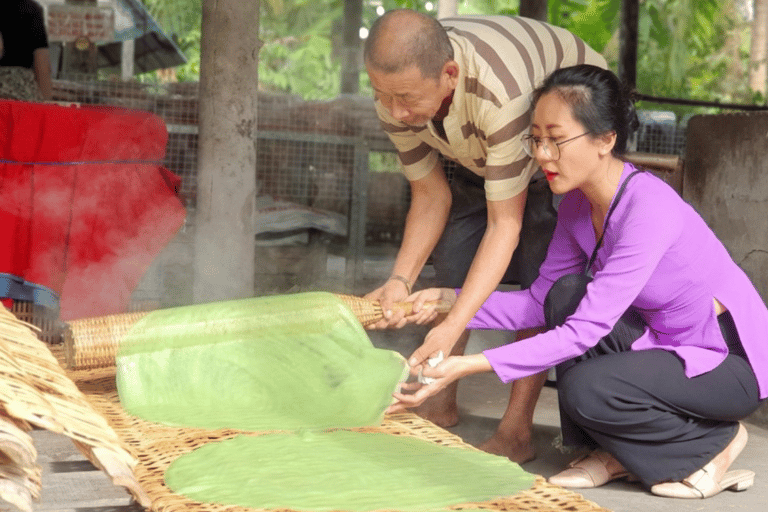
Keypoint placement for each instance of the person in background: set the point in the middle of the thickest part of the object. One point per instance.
(25, 66)
(459, 90)
(659, 338)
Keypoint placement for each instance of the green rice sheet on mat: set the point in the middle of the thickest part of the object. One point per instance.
(268, 363)
(342, 470)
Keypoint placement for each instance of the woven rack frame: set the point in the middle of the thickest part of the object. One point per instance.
(45, 319)
(94, 342)
(34, 390)
(157, 446)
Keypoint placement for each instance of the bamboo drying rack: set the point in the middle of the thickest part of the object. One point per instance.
(159, 445)
(92, 343)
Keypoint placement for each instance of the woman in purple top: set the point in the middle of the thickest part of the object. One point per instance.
(661, 352)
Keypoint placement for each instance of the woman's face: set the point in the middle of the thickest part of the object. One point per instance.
(554, 124)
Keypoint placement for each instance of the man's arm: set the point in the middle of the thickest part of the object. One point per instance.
(42, 68)
(426, 219)
(505, 219)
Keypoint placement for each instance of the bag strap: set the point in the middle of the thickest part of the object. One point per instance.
(607, 217)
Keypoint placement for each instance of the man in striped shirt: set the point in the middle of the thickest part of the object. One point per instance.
(459, 90)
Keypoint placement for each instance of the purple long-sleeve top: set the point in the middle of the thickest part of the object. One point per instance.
(659, 257)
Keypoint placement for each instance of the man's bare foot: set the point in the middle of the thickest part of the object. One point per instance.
(441, 409)
(444, 416)
(514, 448)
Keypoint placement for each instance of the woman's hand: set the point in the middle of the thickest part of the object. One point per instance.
(413, 394)
(424, 312)
(394, 291)
(441, 338)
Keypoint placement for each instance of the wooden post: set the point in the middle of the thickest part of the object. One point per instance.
(224, 222)
(127, 56)
(535, 9)
(628, 46)
(350, 57)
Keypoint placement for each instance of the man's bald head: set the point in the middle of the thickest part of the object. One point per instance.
(402, 38)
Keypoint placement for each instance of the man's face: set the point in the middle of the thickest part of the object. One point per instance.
(408, 96)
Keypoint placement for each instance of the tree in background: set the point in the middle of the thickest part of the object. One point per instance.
(298, 53)
(687, 48)
(758, 69)
(695, 49)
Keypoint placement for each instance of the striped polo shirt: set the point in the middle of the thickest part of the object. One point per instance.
(501, 61)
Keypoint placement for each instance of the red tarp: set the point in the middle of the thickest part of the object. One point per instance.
(88, 231)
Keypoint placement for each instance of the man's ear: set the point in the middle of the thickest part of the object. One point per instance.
(451, 73)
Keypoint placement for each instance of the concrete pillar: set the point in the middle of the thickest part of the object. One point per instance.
(446, 8)
(127, 56)
(726, 181)
(224, 221)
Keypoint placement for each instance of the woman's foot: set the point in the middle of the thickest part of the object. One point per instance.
(593, 470)
(714, 477)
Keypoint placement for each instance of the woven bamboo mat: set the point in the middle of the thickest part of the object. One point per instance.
(157, 446)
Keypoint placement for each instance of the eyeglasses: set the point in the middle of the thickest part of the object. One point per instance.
(551, 148)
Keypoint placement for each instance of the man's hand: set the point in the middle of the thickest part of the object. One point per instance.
(42, 70)
(427, 215)
(422, 311)
(390, 292)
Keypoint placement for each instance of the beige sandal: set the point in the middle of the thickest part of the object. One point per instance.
(703, 483)
(591, 471)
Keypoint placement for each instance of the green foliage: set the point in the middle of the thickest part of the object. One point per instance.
(687, 48)
(594, 21)
(416, 5)
(383, 161)
(683, 51)
(507, 7)
(189, 43)
(299, 53)
(683, 45)
(181, 20)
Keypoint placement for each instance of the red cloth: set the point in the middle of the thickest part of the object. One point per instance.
(86, 231)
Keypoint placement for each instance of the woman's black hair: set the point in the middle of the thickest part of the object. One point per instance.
(598, 100)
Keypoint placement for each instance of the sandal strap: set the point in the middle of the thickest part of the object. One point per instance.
(595, 468)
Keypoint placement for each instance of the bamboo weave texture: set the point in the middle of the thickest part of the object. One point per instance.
(94, 342)
(157, 446)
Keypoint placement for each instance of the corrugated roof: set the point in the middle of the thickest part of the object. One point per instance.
(153, 49)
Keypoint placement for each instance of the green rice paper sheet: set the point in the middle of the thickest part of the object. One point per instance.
(342, 470)
(268, 363)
